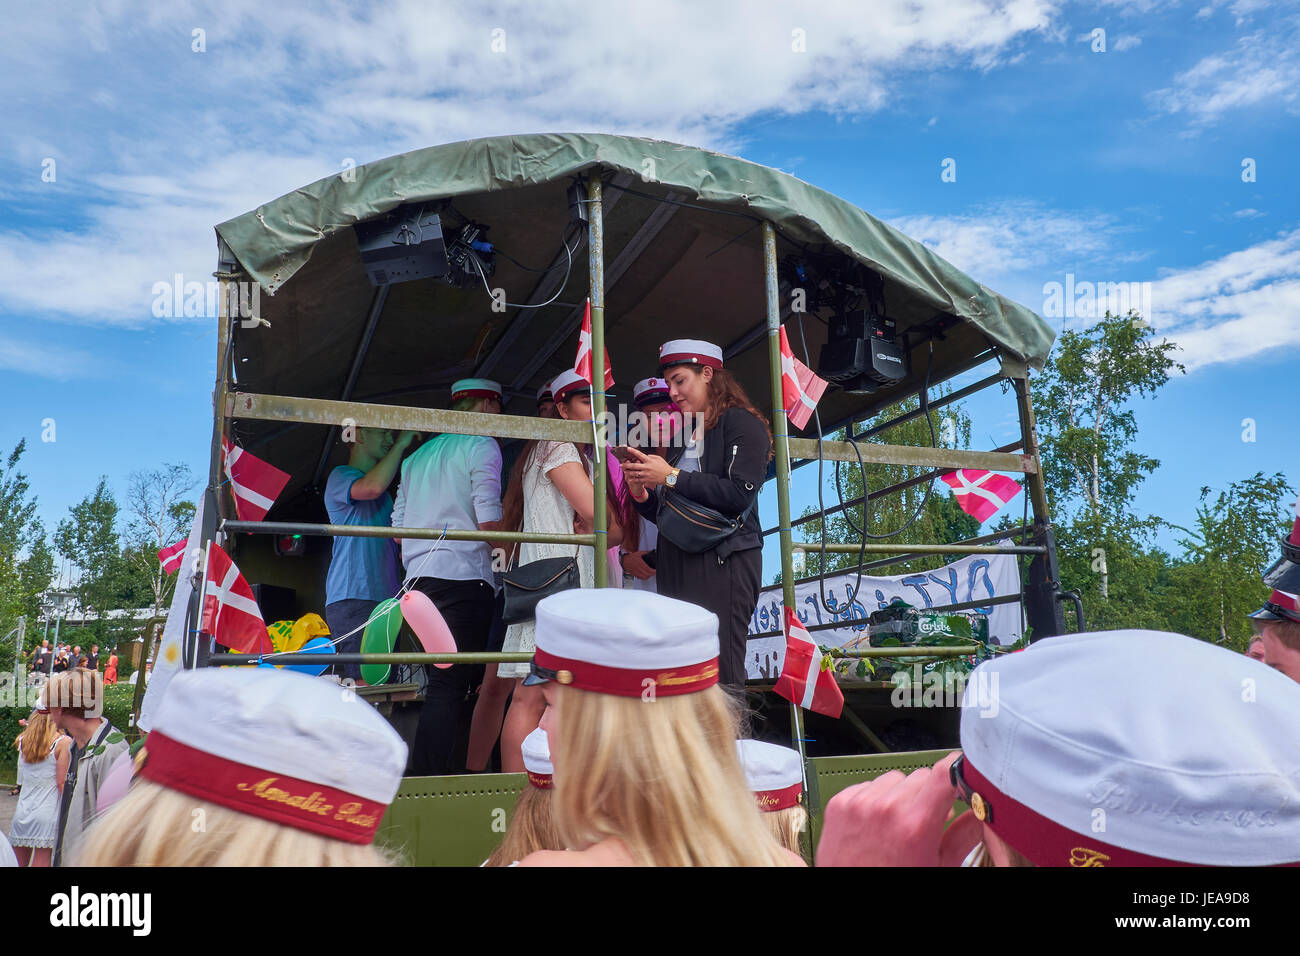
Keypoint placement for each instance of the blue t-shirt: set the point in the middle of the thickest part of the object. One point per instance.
(361, 568)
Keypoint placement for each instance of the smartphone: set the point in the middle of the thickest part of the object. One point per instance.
(620, 452)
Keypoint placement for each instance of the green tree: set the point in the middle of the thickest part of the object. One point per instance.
(940, 520)
(1092, 469)
(1232, 541)
(26, 564)
(89, 539)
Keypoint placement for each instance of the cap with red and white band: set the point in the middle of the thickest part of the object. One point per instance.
(1283, 577)
(1134, 748)
(292, 749)
(689, 352)
(626, 643)
(475, 388)
(537, 760)
(773, 773)
(650, 391)
(544, 393)
(568, 383)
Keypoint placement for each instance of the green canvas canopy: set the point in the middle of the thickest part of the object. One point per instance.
(682, 259)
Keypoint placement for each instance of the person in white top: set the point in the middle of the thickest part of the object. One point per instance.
(452, 482)
(550, 492)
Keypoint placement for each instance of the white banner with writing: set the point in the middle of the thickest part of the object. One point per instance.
(971, 579)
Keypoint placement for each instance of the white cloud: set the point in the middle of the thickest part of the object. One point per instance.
(153, 155)
(1239, 306)
(1001, 239)
(1248, 213)
(1126, 42)
(1260, 69)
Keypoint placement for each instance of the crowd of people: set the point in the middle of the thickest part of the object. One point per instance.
(1106, 749)
(711, 452)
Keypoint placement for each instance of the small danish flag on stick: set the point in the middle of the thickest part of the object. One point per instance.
(230, 612)
(172, 556)
(806, 677)
(582, 364)
(801, 389)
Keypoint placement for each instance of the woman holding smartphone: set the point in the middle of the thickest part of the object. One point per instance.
(720, 463)
(550, 492)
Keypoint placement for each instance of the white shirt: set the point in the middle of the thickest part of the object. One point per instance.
(452, 482)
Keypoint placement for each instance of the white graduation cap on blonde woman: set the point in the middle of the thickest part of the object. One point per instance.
(773, 772)
(537, 760)
(285, 747)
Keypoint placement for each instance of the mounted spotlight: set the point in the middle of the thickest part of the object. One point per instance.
(403, 245)
(862, 351)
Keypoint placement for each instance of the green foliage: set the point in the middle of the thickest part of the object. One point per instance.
(26, 564)
(940, 521)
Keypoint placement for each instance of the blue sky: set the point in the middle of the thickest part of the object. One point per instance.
(1122, 165)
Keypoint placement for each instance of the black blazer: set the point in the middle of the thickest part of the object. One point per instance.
(732, 470)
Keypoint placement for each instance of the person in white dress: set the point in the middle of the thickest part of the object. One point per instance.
(43, 754)
(550, 492)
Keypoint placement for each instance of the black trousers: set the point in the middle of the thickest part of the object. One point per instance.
(466, 606)
(729, 589)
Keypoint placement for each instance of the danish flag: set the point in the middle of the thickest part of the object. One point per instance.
(171, 556)
(256, 483)
(980, 493)
(804, 679)
(801, 389)
(582, 364)
(230, 612)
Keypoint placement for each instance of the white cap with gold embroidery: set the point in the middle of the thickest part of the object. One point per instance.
(773, 773)
(568, 383)
(627, 643)
(1134, 748)
(537, 759)
(289, 748)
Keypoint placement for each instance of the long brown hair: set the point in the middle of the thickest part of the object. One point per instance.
(532, 828)
(512, 505)
(725, 392)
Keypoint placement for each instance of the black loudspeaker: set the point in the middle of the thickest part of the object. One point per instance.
(276, 603)
(403, 245)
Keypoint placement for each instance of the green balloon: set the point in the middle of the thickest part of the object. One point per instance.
(380, 637)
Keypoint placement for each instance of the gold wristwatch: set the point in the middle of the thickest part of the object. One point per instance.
(671, 480)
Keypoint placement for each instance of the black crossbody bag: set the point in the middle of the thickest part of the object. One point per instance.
(526, 585)
(693, 527)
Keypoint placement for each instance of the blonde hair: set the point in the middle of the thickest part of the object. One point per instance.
(532, 827)
(787, 826)
(37, 739)
(156, 826)
(661, 775)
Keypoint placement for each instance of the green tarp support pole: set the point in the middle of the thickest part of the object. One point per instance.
(596, 269)
(780, 432)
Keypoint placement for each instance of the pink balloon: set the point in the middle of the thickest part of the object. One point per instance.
(428, 625)
(116, 783)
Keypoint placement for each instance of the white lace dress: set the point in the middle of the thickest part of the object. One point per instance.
(546, 510)
(36, 818)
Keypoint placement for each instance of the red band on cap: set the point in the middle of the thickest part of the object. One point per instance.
(622, 682)
(542, 781)
(285, 800)
(771, 801)
(689, 358)
(1045, 842)
(475, 393)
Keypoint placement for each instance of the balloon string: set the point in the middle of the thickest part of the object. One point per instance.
(374, 615)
